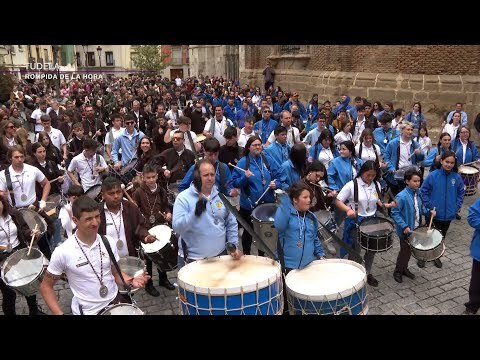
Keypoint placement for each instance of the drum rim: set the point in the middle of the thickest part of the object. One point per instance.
(97, 186)
(264, 205)
(469, 167)
(40, 219)
(165, 241)
(42, 269)
(410, 239)
(376, 217)
(109, 307)
(344, 293)
(234, 290)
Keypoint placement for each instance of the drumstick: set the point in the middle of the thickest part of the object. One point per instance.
(239, 168)
(51, 181)
(128, 195)
(31, 241)
(429, 231)
(260, 198)
(421, 148)
(473, 162)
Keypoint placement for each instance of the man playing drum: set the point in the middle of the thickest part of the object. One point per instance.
(123, 221)
(153, 204)
(201, 219)
(85, 260)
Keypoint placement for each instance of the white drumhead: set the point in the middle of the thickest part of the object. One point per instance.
(467, 170)
(422, 239)
(20, 269)
(224, 275)
(123, 309)
(326, 279)
(162, 233)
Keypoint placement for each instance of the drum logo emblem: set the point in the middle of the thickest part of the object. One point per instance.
(218, 204)
(453, 181)
(375, 194)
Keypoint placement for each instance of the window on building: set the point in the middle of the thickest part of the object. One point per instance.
(77, 56)
(45, 55)
(91, 58)
(176, 55)
(109, 58)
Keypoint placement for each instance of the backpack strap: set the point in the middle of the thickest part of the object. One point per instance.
(114, 261)
(9, 185)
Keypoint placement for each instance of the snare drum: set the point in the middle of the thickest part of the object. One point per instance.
(132, 266)
(122, 309)
(426, 246)
(326, 219)
(33, 218)
(399, 175)
(128, 172)
(328, 287)
(263, 217)
(470, 176)
(95, 193)
(224, 286)
(376, 234)
(161, 252)
(172, 192)
(52, 204)
(24, 273)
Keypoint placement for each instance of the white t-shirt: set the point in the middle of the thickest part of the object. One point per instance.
(219, 129)
(36, 114)
(405, 154)
(116, 229)
(293, 136)
(56, 138)
(8, 232)
(69, 259)
(67, 222)
(367, 197)
(86, 169)
(243, 137)
(368, 153)
(22, 183)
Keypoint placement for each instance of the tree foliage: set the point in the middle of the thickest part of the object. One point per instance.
(7, 80)
(149, 59)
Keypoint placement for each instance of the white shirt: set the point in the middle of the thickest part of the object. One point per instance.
(368, 153)
(36, 114)
(170, 115)
(22, 183)
(219, 129)
(116, 229)
(326, 157)
(115, 134)
(452, 130)
(178, 81)
(84, 284)
(367, 197)
(293, 136)
(341, 137)
(359, 127)
(86, 169)
(405, 158)
(8, 228)
(243, 137)
(56, 138)
(67, 222)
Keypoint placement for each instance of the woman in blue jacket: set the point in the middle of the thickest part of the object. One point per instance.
(434, 156)
(473, 218)
(463, 147)
(297, 228)
(443, 189)
(407, 216)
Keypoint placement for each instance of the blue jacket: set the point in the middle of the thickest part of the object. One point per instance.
(289, 175)
(430, 160)
(230, 113)
(252, 188)
(340, 171)
(240, 116)
(345, 105)
(129, 147)
(187, 179)
(279, 153)
(265, 128)
(418, 121)
(276, 111)
(444, 192)
(202, 236)
(301, 108)
(380, 137)
(390, 156)
(288, 226)
(471, 155)
(464, 118)
(473, 219)
(312, 110)
(404, 214)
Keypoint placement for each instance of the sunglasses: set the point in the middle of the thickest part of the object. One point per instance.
(129, 122)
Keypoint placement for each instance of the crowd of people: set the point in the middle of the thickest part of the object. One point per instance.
(126, 155)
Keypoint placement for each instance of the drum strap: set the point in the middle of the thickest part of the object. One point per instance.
(192, 145)
(223, 177)
(112, 259)
(9, 185)
(412, 149)
(247, 166)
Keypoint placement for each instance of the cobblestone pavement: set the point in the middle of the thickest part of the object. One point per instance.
(433, 291)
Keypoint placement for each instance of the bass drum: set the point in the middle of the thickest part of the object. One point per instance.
(122, 309)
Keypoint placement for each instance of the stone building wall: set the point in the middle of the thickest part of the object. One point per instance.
(438, 76)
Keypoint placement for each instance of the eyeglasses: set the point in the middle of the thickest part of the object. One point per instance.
(267, 111)
(129, 122)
